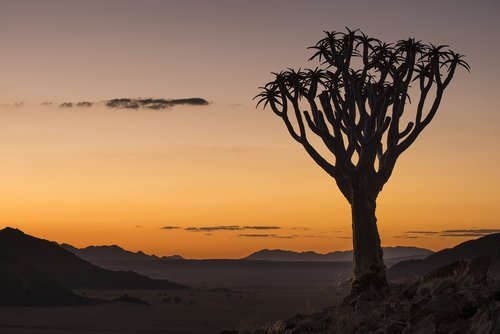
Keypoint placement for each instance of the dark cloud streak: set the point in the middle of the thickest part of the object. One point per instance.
(478, 232)
(229, 228)
(276, 236)
(422, 232)
(84, 104)
(133, 103)
(153, 104)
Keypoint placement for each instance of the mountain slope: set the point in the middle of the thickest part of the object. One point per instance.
(67, 269)
(21, 285)
(484, 246)
(284, 255)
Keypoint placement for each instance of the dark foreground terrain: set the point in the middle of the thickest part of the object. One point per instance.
(197, 311)
(240, 296)
(460, 298)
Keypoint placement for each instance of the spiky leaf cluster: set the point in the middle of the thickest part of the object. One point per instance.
(356, 99)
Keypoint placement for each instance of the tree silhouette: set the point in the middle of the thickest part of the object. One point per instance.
(357, 103)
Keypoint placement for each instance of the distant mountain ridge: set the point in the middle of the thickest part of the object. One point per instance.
(69, 271)
(398, 252)
(96, 254)
(484, 246)
(113, 253)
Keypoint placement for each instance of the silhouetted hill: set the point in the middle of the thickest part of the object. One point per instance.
(68, 270)
(97, 254)
(21, 285)
(400, 252)
(484, 246)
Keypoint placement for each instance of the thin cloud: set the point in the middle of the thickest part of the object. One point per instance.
(261, 228)
(409, 237)
(131, 103)
(258, 235)
(84, 104)
(314, 236)
(300, 228)
(213, 228)
(463, 234)
(477, 232)
(229, 228)
(169, 227)
(15, 104)
(153, 104)
(422, 232)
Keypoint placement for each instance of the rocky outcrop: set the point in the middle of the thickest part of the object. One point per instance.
(462, 297)
(493, 275)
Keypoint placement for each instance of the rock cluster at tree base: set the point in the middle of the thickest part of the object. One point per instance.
(463, 297)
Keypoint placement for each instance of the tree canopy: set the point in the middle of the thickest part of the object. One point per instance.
(355, 100)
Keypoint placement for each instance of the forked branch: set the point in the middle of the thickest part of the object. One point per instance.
(355, 101)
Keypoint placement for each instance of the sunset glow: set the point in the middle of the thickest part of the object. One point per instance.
(171, 181)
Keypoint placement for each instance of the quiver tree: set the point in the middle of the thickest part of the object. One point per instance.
(357, 104)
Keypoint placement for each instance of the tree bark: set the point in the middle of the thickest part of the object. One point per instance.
(369, 268)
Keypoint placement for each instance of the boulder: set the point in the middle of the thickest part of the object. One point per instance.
(486, 320)
(493, 275)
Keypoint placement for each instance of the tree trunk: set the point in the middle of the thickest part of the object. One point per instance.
(369, 268)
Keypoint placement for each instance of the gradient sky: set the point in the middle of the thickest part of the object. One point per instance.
(100, 176)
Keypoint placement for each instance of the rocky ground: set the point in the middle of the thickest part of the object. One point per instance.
(463, 297)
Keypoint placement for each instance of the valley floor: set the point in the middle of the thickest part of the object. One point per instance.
(199, 311)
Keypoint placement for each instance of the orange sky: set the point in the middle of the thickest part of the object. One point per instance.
(100, 176)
